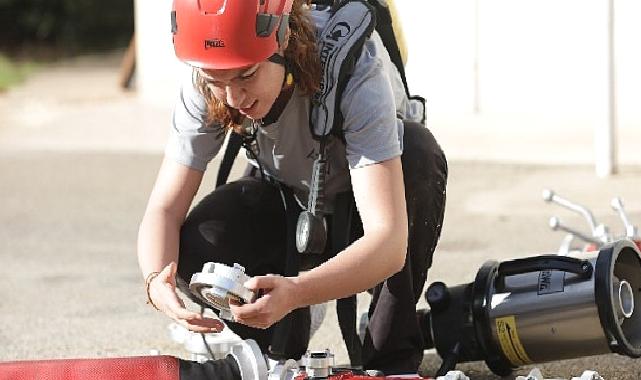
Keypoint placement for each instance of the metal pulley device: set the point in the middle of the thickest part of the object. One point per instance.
(218, 285)
(539, 309)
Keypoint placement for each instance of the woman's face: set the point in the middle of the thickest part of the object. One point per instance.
(251, 90)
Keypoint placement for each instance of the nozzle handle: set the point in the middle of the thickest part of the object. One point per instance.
(551, 196)
(556, 225)
(581, 268)
(630, 230)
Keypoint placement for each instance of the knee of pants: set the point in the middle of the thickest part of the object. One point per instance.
(241, 222)
(423, 159)
(425, 176)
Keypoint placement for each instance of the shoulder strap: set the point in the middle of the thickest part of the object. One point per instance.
(339, 46)
(233, 147)
(235, 141)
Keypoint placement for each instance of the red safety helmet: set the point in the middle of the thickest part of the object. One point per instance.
(224, 34)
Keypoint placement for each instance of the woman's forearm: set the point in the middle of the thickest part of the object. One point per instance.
(158, 239)
(380, 197)
(363, 265)
(158, 236)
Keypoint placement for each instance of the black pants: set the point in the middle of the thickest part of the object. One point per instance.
(245, 222)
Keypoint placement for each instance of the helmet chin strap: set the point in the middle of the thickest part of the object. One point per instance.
(285, 93)
(288, 79)
(279, 59)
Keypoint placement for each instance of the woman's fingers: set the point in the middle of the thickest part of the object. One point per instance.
(175, 307)
(203, 325)
(190, 319)
(257, 314)
(264, 283)
(164, 289)
(168, 273)
(258, 322)
(272, 306)
(250, 310)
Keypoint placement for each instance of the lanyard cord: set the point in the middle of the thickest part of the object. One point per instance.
(249, 140)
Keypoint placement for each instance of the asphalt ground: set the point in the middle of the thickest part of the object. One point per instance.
(77, 166)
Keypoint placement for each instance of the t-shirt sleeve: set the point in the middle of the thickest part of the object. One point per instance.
(372, 131)
(192, 141)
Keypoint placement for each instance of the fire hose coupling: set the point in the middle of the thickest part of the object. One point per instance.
(218, 285)
(287, 370)
(536, 374)
(453, 375)
(250, 359)
(318, 364)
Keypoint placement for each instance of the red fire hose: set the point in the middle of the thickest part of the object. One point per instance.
(134, 368)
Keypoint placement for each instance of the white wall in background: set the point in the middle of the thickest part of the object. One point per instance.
(157, 69)
(535, 65)
(522, 56)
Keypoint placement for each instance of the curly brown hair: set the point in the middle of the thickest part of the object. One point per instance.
(302, 59)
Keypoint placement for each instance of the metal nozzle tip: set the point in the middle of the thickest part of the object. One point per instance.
(616, 203)
(548, 195)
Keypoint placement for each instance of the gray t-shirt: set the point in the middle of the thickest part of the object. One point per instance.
(372, 105)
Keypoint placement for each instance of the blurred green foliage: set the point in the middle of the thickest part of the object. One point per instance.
(12, 73)
(64, 27)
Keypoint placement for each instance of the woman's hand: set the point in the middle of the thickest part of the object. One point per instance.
(277, 300)
(162, 292)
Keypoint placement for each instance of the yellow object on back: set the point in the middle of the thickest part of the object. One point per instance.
(398, 31)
